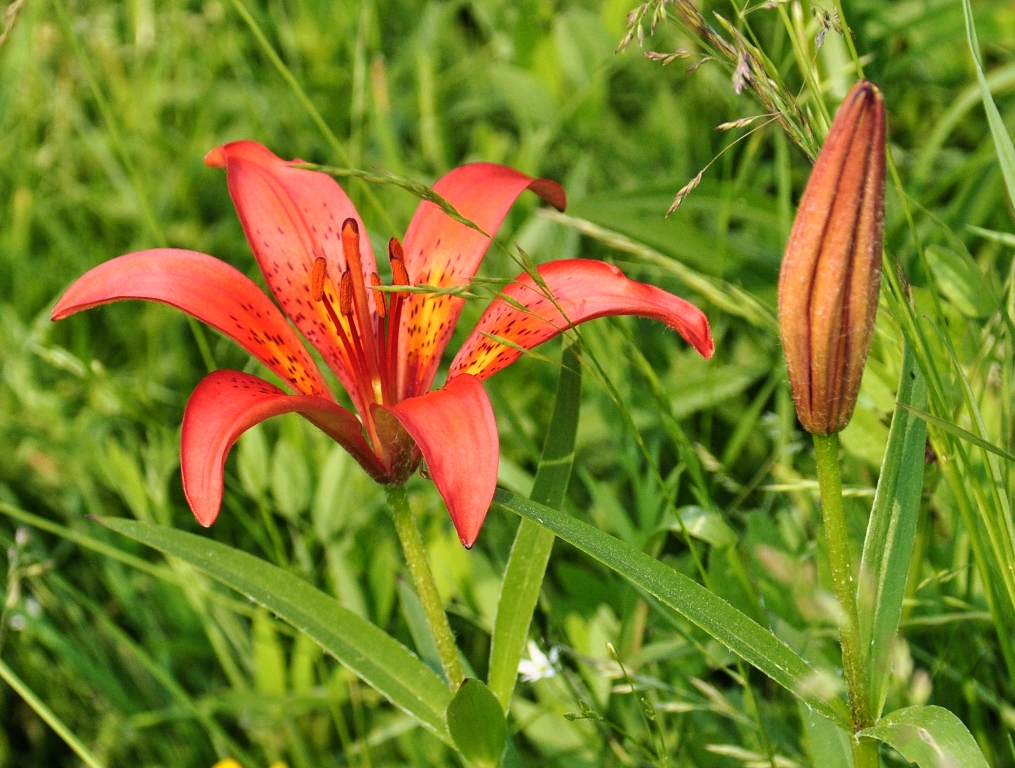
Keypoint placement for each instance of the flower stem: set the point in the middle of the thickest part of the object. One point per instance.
(826, 450)
(426, 587)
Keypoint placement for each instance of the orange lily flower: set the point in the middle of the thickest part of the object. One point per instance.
(307, 239)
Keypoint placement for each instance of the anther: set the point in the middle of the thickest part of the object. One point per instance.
(317, 275)
(379, 297)
(399, 275)
(345, 294)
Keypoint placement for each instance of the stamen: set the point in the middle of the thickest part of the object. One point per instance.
(399, 275)
(320, 271)
(379, 297)
(345, 294)
(359, 306)
(354, 351)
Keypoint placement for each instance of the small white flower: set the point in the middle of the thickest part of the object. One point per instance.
(539, 665)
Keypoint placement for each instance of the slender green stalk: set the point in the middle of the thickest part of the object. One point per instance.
(426, 587)
(826, 450)
(8, 675)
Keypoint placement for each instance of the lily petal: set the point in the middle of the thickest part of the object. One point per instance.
(226, 404)
(583, 290)
(210, 290)
(290, 217)
(442, 252)
(455, 430)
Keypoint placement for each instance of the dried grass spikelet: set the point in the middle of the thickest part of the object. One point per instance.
(831, 273)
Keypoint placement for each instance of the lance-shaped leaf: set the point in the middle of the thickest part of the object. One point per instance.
(533, 544)
(225, 405)
(455, 430)
(891, 531)
(737, 631)
(210, 290)
(371, 653)
(581, 290)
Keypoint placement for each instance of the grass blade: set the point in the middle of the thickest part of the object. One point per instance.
(1002, 141)
(959, 432)
(372, 654)
(49, 716)
(891, 531)
(738, 632)
(530, 552)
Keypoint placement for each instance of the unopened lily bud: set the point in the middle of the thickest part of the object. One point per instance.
(831, 273)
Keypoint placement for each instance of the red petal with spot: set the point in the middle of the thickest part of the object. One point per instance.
(210, 290)
(441, 251)
(290, 217)
(225, 405)
(455, 430)
(583, 290)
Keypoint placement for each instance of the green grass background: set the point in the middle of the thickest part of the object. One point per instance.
(106, 111)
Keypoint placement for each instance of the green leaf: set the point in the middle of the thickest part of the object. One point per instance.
(290, 479)
(1002, 141)
(704, 524)
(959, 432)
(477, 724)
(735, 630)
(530, 552)
(252, 461)
(377, 658)
(48, 716)
(827, 743)
(962, 281)
(269, 659)
(931, 737)
(891, 531)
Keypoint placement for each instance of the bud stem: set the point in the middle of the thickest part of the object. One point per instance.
(826, 451)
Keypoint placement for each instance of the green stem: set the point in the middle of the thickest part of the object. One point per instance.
(426, 587)
(826, 450)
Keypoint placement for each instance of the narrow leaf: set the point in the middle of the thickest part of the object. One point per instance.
(477, 725)
(381, 661)
(959, 432)
(1002, 141)
(827, 743)
(891, 531)
(735, 630)
(931, 737)
(530, 553)
(8, 675)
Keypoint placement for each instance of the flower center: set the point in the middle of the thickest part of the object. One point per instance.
(369, 334)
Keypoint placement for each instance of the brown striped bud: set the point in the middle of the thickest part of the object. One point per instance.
(831, 273)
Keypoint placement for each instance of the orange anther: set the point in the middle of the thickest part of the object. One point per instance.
(345, 294)
(317, 275)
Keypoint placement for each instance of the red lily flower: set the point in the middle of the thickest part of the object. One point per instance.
(306, 237)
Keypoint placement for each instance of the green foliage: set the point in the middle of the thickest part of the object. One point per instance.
(476, 723)
(106, 110)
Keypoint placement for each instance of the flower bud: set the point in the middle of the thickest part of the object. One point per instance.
(828, 285)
